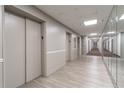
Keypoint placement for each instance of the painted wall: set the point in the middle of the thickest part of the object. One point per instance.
(1, 46)
(84, 45)
(110, 44)
(55, 40)
(90, 44)
(80, 46)
(99, 44)
(107, 44)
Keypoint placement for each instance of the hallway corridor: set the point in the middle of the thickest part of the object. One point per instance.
(107, 53)
(86, 72)
(95, 52)
(70, 46)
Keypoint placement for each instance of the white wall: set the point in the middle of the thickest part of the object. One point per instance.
(55, 40)
(1, 46)
(85, 45)
(80, 46)
(56, 37)
(110, 44)
(107, 44)
(90, 45)
(99, 44)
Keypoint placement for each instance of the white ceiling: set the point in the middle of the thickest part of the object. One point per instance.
(73, 15)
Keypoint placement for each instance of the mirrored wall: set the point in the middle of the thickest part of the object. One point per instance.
(113, 45)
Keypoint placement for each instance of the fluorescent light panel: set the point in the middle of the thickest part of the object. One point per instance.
(111, 32)
(122, 17)
(90, 22)
(93, 34)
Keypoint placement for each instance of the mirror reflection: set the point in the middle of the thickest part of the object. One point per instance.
(113, 45)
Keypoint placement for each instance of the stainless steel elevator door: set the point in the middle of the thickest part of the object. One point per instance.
(14, 46)
(33, 50)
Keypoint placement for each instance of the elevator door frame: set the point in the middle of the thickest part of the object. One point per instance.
(78, 46)
(68, 46)
(20, 13)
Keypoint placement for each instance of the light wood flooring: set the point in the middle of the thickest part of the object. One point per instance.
(86, 72)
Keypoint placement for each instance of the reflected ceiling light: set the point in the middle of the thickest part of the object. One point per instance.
(94, 38)
(93, 34)
(90, 22)
(111, 32)
(122, 17)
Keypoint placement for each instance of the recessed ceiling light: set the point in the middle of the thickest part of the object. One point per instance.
(93, 34)
(122, 17)
(111, 32)
(90, 22)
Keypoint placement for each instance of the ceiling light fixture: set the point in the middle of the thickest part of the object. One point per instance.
(122, 17)
(90, 22)
(111, 32)
(93, 34)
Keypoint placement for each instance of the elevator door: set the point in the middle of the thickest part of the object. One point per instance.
(14, 44)
(68, 47)
(33, 50)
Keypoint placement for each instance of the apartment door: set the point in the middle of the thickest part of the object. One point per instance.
(68, 46)
(33, 50)
(14, 46)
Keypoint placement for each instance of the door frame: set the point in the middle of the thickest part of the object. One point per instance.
(68, 42)
(78, 46)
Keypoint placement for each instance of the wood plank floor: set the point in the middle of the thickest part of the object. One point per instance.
(86, 72)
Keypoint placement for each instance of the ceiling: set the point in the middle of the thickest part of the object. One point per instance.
(74, 15)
